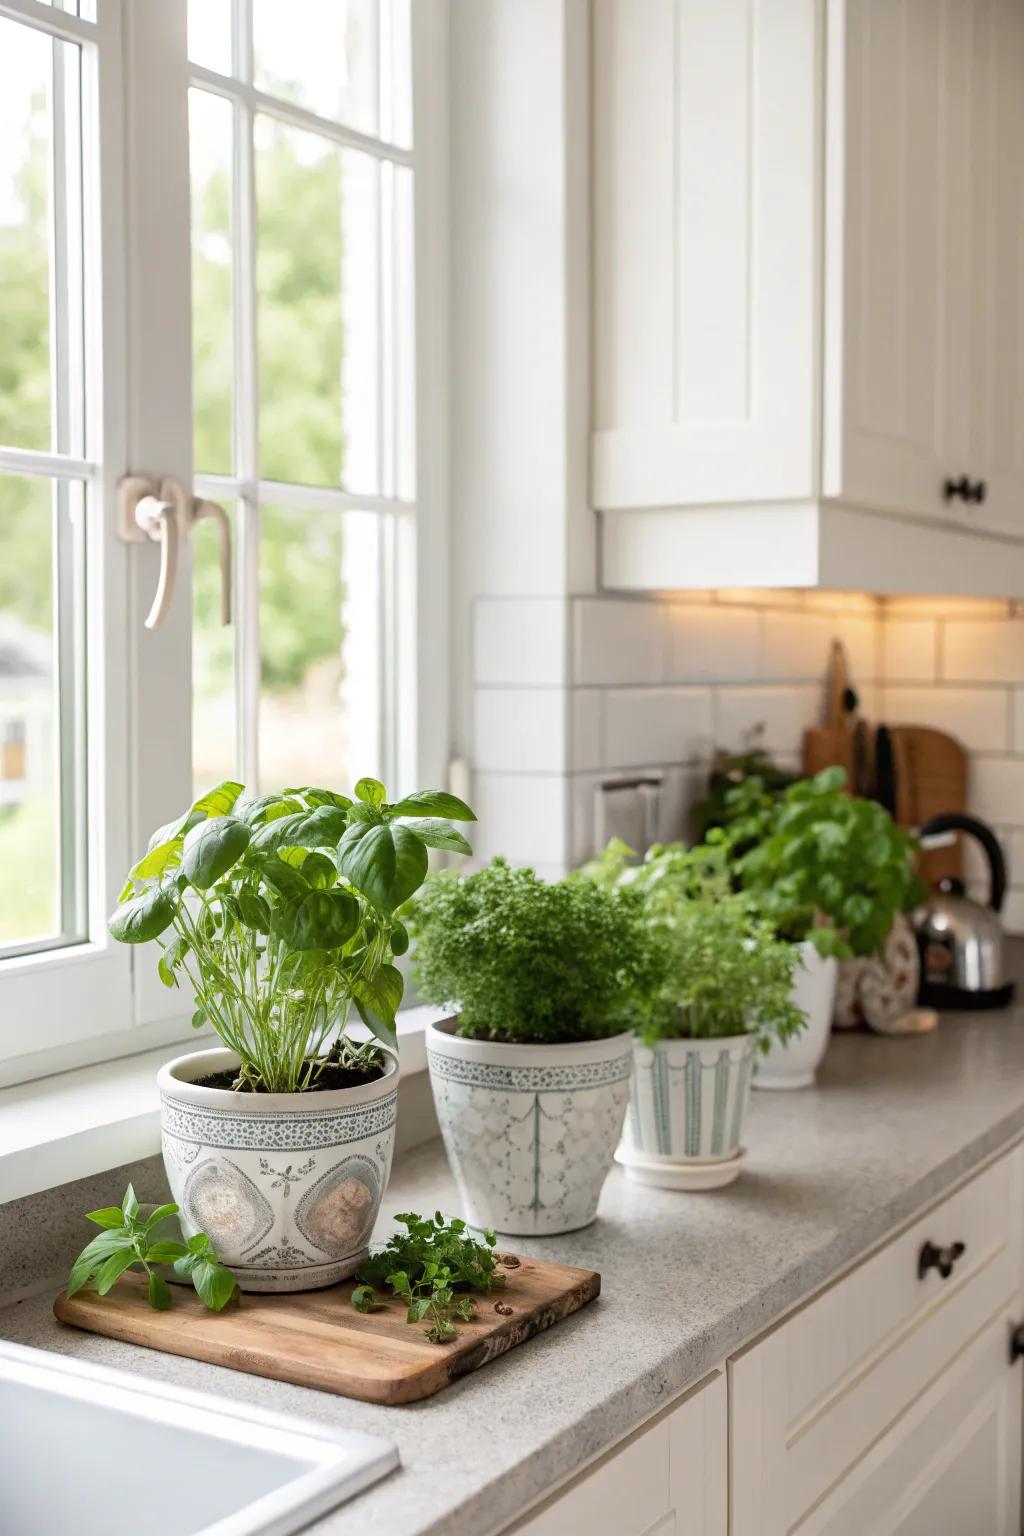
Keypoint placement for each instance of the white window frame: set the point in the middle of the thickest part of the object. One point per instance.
(98, 1000)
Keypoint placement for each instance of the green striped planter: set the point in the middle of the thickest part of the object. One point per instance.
(687, 1104)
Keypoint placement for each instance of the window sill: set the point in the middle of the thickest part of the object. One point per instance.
(85, 1121)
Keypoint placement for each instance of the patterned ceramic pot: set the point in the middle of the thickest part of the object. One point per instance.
(286, 1185)
(794, 1064)
(530, 1130)
(686, 1111)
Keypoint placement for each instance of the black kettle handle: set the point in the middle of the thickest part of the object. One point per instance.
(953, 821)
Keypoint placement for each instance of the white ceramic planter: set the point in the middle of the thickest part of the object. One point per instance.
(814, 992)
(286, 1185)
(530, 1130)
(686, 1110)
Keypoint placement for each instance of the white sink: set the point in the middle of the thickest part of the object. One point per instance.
(91, 1450)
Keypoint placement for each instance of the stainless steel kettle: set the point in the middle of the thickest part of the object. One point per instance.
(961, 941)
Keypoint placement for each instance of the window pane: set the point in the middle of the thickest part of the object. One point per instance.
(41, 391)
(41, 680)
(322, 662)
(396, 75)
(322, 54)
(214, 742)
(209, 123)
(209, 34)
(317, 272)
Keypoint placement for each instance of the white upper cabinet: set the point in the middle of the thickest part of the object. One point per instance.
(704, 160)
(808, 293)
(924, 179)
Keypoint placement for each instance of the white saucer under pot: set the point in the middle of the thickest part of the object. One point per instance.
(688, 1100)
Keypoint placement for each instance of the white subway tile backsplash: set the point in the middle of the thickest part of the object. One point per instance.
(995, 790)
(779, 716)
(977, 717)
(1013, 911)
(520, 815)
(797, 645)
(520, 640)
(909, 650)
(521, 730)
(983, 651)
(587, 716)
(657, 725)
(1017, 717)
(713, 644)
(619, 641)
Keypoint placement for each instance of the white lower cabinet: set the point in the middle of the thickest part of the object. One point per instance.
(888, 1405)
(669, 1479)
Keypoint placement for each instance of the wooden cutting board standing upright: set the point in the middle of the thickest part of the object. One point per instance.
(915, 771)
(317, 1338)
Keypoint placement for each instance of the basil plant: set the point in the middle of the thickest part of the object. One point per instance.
(279, 911)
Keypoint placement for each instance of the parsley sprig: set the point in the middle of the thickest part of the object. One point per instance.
(432, 1266)
(128, 1239)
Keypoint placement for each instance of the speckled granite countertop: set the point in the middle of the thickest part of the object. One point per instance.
(686, 1278)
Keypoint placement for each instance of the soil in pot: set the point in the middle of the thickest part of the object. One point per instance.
(332, 1076)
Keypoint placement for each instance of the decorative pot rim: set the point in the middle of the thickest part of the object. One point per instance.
(699, 1042)
(442, 1039)
(173, 1083)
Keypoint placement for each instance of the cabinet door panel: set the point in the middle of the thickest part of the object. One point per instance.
(668, 1480)
(952, 1464)
(704, 199)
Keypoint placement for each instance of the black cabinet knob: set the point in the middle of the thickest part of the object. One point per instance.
(964, 489)
(941, 1259)
(957, 490)
(1017, 1343)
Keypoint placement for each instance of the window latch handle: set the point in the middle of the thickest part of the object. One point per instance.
(166, 513)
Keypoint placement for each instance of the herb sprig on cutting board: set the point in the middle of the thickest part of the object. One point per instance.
(433, 1266)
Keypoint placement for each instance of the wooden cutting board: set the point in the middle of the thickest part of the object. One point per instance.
(318, 1339)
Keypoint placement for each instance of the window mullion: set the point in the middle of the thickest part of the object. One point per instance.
(246, 406)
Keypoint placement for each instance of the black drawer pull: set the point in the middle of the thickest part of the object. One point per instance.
(964, 489)
(941, 1259)
(1017, 1343)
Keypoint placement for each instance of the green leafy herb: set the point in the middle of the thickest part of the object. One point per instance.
(722, 969)
(278, 913)
(129, 1240)
(823, 865)
(526, 959)
(432, 1267)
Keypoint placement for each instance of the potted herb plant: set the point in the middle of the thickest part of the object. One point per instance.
(277, 913)
(724, 992)
(531, 1077)
(832, 873)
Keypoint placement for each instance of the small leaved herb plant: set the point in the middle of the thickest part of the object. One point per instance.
(823, 865)
(433, 1267)
(531, 961)
(279, 912)
(130, 1241)
(723, 970)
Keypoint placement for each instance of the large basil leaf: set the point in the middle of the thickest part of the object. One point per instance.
(378, 999)
(211, 849)
(263, 808)
(371, 792)
(439, 834)
(387, 863)
(163, 857)
(321, 828)
(253, 910)
(290, 882)
(317, 869)
(433, 802)
(142, 918)
(318, 920)
(220, 800)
